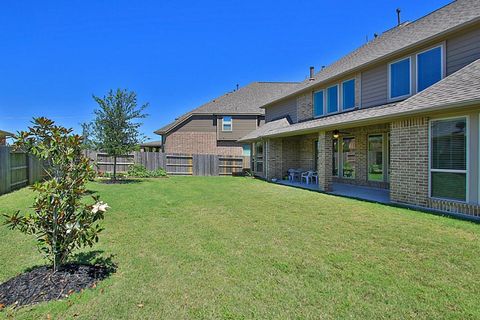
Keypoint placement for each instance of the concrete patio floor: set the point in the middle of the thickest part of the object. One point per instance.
(346, 190)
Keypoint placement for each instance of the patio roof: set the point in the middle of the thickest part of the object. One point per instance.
(267, 127)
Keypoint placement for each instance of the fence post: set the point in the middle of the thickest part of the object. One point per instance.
(5, 174)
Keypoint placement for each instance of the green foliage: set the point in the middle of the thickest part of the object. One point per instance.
(61, 221)
(139, 171)
(115, 128)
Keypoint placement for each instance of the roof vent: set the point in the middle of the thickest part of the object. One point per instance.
(399, 21)
(312, 73)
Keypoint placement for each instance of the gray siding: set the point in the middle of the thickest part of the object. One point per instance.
(198, 124)
(241, 126)
(374, 86)
(282, 109)
(462, 50)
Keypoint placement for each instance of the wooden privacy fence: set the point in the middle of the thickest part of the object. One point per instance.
(174, 164)
(18, 169)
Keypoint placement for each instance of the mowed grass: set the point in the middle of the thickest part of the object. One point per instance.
(238, 248)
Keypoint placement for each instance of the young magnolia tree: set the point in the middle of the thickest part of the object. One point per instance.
(116, 127)
(61, 220)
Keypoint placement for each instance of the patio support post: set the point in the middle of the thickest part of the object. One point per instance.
(274, 159)
(325, 155)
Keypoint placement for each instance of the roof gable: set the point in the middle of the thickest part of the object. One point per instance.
(244, 101)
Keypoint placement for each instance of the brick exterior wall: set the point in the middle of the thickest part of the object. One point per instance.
(409, 161)
(200, 143)
(305, 107)
(287, 153)
(274, 159)
(325, 154)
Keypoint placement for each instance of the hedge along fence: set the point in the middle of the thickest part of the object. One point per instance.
(174, 164)
(18, 169)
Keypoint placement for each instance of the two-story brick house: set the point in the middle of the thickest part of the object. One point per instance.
(399, 113)
(215, 127)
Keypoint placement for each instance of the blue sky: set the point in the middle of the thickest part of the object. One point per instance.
(175, 54)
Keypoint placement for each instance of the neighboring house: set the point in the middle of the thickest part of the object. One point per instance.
(3, 137)
(215, 127)
(151, 146)
(399, 113)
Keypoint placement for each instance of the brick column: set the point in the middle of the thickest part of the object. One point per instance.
(274, 159)
(409, 161)
(325, 154)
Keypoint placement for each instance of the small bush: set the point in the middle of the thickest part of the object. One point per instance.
(60, 219)
(139, 171)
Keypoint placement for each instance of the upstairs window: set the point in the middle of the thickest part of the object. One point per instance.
(429, 68)
(318, 103)
(448, 159)
(227, 123)
(332, 99)
(348, 94)
(399, 78)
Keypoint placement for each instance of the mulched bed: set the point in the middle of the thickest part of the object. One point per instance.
(41, 284)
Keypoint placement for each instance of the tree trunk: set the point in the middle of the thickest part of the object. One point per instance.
(114, 168)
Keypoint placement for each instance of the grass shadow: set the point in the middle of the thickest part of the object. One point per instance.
(94, 258)
(120, 181)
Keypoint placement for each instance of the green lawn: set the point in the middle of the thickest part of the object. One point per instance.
(238, 248)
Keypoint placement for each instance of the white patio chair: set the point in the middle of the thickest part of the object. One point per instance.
(314, 177)
(307, 175)
(291, 175)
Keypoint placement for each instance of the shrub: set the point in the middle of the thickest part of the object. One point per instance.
(139, 171)
(61, 220)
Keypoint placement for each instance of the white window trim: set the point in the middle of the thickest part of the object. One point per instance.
(231, 124)
(383, 155)
(390, 98)
(442, 62)
(313, 100)
(354, 98)
(467, 155)
(338, 100)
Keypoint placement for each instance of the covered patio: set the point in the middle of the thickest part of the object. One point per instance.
(345, 190)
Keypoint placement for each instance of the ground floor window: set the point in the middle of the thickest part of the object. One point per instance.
(246, 150)
(375, 158)
(348, 157)
(335, 158)
(258, 157)
(448, 158)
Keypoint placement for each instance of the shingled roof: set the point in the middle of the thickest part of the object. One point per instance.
(246, 100)
(460, 89)
(444, 20)
(6, 134)
(265, 129)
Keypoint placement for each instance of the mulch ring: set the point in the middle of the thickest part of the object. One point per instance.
(41, 284)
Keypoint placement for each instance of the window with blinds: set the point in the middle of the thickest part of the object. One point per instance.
(448, 158)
